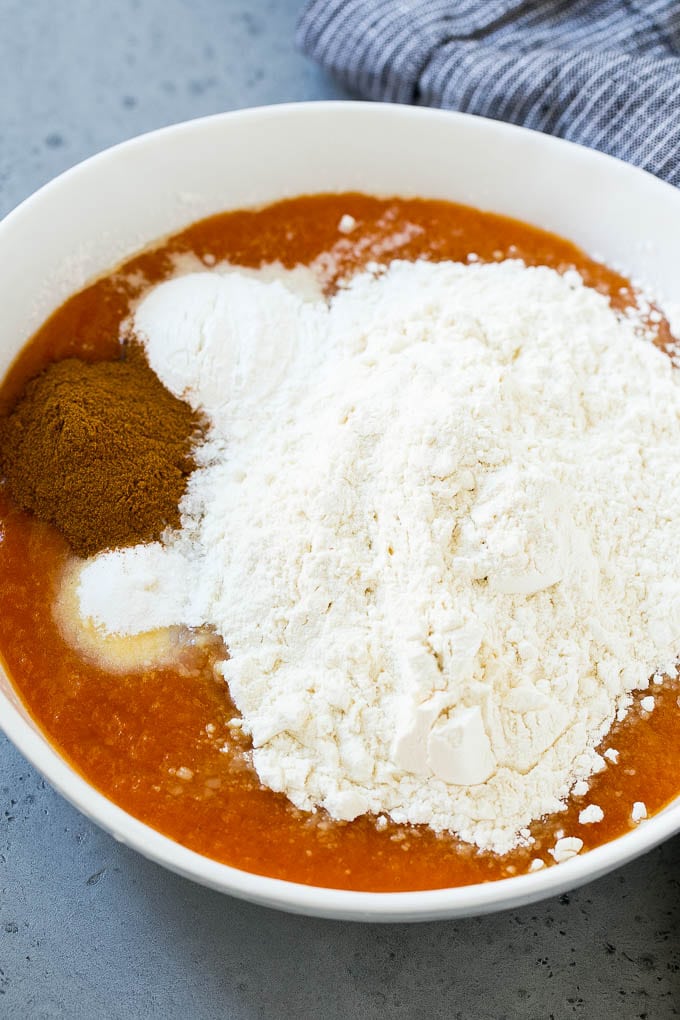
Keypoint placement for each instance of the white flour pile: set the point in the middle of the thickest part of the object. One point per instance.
(435, 523)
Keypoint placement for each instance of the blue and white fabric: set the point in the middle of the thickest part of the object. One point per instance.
(600, 72)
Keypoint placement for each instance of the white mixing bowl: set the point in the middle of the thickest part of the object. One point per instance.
(105, 209)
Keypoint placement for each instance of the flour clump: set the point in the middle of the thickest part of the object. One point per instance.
(433, 520)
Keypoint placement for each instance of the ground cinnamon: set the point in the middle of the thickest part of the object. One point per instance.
(102, 451)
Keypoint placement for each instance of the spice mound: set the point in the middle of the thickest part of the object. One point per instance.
(102, 451)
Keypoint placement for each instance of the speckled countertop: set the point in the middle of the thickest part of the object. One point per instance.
(88, 929)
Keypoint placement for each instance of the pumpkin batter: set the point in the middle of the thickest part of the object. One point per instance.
(157, 742)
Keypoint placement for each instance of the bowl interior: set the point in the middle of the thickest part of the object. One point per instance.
(103, 210)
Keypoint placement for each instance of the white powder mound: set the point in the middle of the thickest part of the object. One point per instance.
(435, 522)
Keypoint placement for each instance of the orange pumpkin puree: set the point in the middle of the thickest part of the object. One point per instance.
(157, 742)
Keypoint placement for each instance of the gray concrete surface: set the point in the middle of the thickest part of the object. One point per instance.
(91, 931)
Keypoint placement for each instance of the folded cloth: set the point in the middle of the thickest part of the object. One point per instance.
(605, 73)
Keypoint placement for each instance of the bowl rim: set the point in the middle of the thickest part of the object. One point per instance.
(290, 896)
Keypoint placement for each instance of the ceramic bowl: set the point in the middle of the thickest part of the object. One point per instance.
(103, 210)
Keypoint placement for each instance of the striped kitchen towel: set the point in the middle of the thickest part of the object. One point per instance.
(605, 73)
